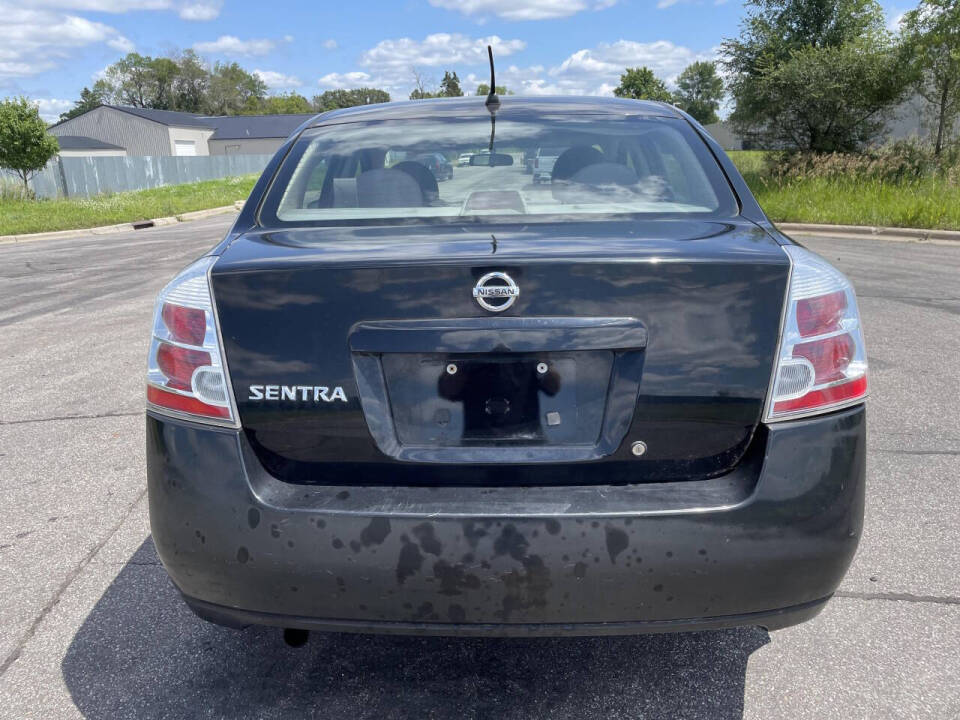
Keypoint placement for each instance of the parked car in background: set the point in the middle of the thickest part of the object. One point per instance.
(436, 163)
(529, 155)
(464, 159)
(624, 403)
(543, 163)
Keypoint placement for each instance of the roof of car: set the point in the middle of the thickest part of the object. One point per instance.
(509, 104)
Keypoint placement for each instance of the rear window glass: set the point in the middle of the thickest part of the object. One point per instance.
(410, 171)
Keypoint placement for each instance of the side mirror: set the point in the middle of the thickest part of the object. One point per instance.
(492, 160)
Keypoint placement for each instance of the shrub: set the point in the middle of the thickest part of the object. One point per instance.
(904, 161)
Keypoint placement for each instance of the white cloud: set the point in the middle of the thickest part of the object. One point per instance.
(200, 11)
(338, 81)
(438, 50)
(232, 45)
(50, 108)
(276, 80)
(34, 40)
(330, 44)
(390, 64)
(588, 71)
(104, 6)
(121, 43)
(589, 68)
(594, 71)
(523, 9)
(894, 19)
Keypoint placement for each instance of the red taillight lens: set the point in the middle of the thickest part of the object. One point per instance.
(178, 364)
(187, 325)
(829, 357)
(184, 403)
(821, 360)
(819, 315)
(185, 370)
(828, 396)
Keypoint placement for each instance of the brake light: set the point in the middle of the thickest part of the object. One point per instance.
(821, 361)
(185, 372)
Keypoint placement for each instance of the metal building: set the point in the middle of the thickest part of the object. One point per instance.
(144, 131)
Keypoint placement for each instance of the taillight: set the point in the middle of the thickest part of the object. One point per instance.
(821, 361)
(185, 372)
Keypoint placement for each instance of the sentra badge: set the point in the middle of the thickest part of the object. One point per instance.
(301, 393)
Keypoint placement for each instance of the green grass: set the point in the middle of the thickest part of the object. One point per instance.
(28, 216)
(929, 203)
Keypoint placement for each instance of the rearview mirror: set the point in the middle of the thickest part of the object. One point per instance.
(492, 159)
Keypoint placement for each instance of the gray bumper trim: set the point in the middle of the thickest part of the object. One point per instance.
(770, 620)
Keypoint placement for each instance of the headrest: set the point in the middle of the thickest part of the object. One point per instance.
(388, 188)
(573, 159)
(425, 179)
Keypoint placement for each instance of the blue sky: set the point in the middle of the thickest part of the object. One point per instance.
(50, 49)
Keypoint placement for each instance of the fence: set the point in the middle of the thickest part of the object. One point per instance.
(88, 176)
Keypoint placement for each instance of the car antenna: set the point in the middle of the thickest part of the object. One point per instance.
(492, 102)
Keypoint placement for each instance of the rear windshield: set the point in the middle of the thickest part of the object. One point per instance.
(402, 171)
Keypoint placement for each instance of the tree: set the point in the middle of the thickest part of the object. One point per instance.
(289, 104)
(191, 83)
(131, 78)
(336, 99)
(142, 81)
(420, 91)
(932, 33)
(642, 84)
(161, 76)
(450, 85)
(233, 91)
(484, 89)
(831, 99)
(25, 146)
(89, 100)
(787, 94)
(699, 91)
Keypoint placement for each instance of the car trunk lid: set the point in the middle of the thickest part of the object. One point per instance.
(362, 354)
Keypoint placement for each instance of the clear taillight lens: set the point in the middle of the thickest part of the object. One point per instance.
(185, 372)
(821, 361)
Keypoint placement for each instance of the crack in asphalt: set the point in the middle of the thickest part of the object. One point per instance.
(65, 585)
(71, 417)
(899, 597)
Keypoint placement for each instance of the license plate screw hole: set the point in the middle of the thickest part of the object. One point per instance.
(542, 368)
(452, 369)
(638, 448)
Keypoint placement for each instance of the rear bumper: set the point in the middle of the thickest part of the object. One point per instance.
(764, 545)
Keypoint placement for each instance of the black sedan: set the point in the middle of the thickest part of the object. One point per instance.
(618, 402)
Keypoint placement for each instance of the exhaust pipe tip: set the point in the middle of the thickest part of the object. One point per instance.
(294, 637)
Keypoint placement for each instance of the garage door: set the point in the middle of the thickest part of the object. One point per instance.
(184, 147)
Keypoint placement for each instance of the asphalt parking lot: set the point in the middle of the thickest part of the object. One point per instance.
(91, 627)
